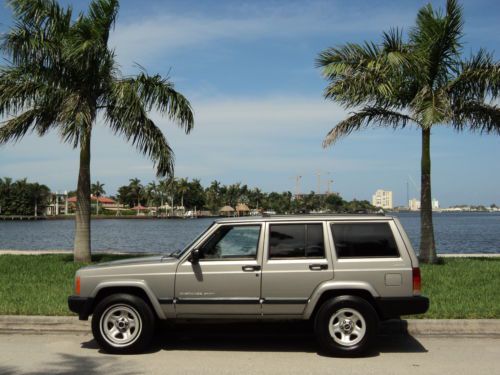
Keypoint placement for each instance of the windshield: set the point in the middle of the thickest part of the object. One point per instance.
(178, 253)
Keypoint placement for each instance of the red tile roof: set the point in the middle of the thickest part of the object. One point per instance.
(100, 200)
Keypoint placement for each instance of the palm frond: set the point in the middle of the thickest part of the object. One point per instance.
(126, 115)
(437, 38)
(430, 107)
(478, 117)
(37, 118)
(365, 117)
(37, 32)
(102, 14)
(477, 77)
(159, 93)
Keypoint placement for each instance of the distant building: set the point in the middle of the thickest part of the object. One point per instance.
(414, 204)
(382, 199)
(435, 204)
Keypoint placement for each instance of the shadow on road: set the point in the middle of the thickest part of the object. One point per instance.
(258, 337)
(69, 364)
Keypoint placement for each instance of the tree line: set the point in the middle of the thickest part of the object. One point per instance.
(191, 195)
(22, 197)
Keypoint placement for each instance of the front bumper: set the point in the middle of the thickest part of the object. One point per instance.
(394, 307)
(81, 305)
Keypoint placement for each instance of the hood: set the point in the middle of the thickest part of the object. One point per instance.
(136, 261)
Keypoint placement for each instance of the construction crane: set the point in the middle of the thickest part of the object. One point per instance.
(297, 179)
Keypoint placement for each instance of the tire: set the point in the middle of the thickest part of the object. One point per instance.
(123, 324)
(346, 326)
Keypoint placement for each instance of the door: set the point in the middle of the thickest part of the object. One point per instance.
(226, 280)
(296, 261)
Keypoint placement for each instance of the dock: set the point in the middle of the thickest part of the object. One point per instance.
(20, 218)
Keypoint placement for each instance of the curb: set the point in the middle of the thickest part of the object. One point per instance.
(32, 324)
(444, 327)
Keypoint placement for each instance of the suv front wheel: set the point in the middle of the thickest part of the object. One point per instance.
(346, 326)
(123, 323)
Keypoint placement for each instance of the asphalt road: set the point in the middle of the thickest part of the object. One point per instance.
(240, 350)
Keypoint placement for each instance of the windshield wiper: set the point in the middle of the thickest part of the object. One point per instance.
(174, 254)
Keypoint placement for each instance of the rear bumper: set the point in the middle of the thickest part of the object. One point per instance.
(81, 305)
(394, 307)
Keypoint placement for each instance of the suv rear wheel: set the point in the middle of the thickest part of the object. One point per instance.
(123, 323)
(346, 326)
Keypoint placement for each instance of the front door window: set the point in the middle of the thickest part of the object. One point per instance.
(232, 242)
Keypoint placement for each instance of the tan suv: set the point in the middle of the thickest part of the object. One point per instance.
(346, 273)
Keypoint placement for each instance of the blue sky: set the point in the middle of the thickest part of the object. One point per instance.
(248, 69)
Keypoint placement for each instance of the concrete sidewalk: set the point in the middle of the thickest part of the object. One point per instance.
(18, 324)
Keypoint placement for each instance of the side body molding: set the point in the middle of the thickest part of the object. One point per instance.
(336, 286)
(141, 284)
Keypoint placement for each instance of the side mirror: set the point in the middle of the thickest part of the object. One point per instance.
(195, 256)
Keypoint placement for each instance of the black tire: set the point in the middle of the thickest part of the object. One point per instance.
(353, 334)
(132, 318)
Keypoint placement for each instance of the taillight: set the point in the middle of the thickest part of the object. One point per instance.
(417, 281)
(77, 285)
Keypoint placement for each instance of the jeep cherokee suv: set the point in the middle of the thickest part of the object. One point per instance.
(345, 273)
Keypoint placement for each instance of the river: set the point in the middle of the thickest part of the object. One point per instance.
(474, 232)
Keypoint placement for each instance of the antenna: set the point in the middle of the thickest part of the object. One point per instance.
(407, 193)
(414, 184)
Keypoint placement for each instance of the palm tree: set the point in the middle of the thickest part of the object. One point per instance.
(5, 190)
(62, 75)
(38, 193)
(423, 82)
(182, 187)
(163, 189)
(136, 189)
(152, 194)
(97, 190)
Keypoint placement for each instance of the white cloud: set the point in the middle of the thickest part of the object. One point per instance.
(162, 34)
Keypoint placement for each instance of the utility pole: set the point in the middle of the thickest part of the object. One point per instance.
(408, 193)
(318, 174)
(297, 185)
(329, 191)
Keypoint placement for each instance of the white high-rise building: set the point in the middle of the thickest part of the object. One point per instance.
(435, 204)
(414, 204)
(382, 199)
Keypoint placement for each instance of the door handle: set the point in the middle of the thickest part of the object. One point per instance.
(250, 268)
(318, 267)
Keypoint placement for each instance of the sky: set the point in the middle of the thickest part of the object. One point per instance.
(248, 69)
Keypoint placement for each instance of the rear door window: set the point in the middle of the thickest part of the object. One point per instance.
(296, 241)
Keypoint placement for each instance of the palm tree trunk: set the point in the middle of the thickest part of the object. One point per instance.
(82, 215)
(427, 244)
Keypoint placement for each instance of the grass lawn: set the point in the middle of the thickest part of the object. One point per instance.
(40, 285)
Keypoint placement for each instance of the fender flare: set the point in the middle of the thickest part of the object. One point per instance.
(336, 286)
(135, 284)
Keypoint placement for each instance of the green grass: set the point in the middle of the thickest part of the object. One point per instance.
(463, 288)
(40, 285)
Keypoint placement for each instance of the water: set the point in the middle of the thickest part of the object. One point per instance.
(473, 232)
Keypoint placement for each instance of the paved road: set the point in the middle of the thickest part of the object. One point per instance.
(236, 350)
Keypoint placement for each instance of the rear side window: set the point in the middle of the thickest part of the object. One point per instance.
(364, 240)
(296, 241)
